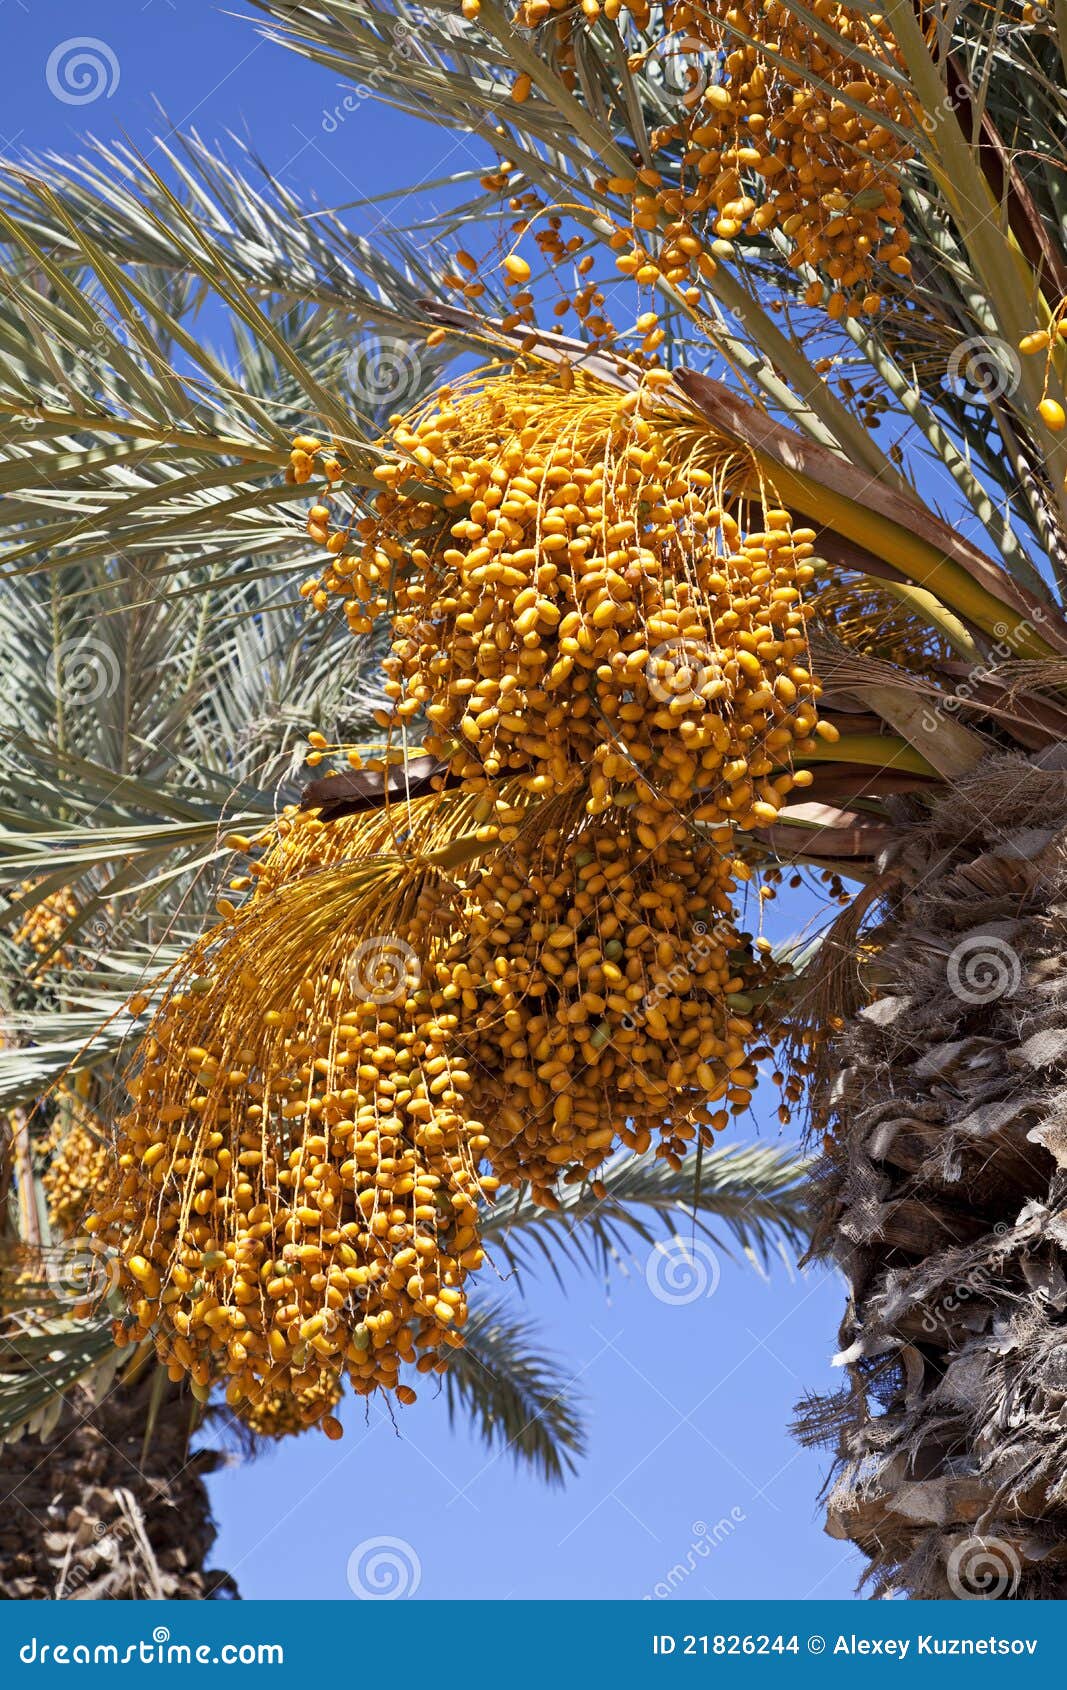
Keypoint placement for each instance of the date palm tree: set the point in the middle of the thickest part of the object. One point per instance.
(920, 433)
(163, 671)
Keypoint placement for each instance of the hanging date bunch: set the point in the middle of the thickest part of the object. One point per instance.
(773, 126)
(586, 587)
(295, 1194)
(607, 997)
(78, 1151)
(42, 926)
(281, 1415)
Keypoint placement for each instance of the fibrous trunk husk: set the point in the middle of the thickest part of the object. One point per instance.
(90, 1514)
(943, 1199)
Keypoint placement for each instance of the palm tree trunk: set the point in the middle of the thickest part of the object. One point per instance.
(943, 1203)
(92, 1514)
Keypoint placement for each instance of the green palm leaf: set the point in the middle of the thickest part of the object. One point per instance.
(518, 1398)
(744, 1197)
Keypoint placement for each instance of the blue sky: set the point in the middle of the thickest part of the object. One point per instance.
(687, 1405)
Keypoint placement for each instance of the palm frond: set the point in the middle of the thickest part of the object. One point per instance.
(284, 249)
(122, 431)
(39, 1364)
(982, 174)
(565, 143)
(745, 1197)
(44, 1044)
(519, 1399)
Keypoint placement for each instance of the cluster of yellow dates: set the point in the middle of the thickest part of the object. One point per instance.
(78, 1155)
(593, 606)
(296, 1187)
(42, 925)
(607, 999)
(598, 628)
(770, 128)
